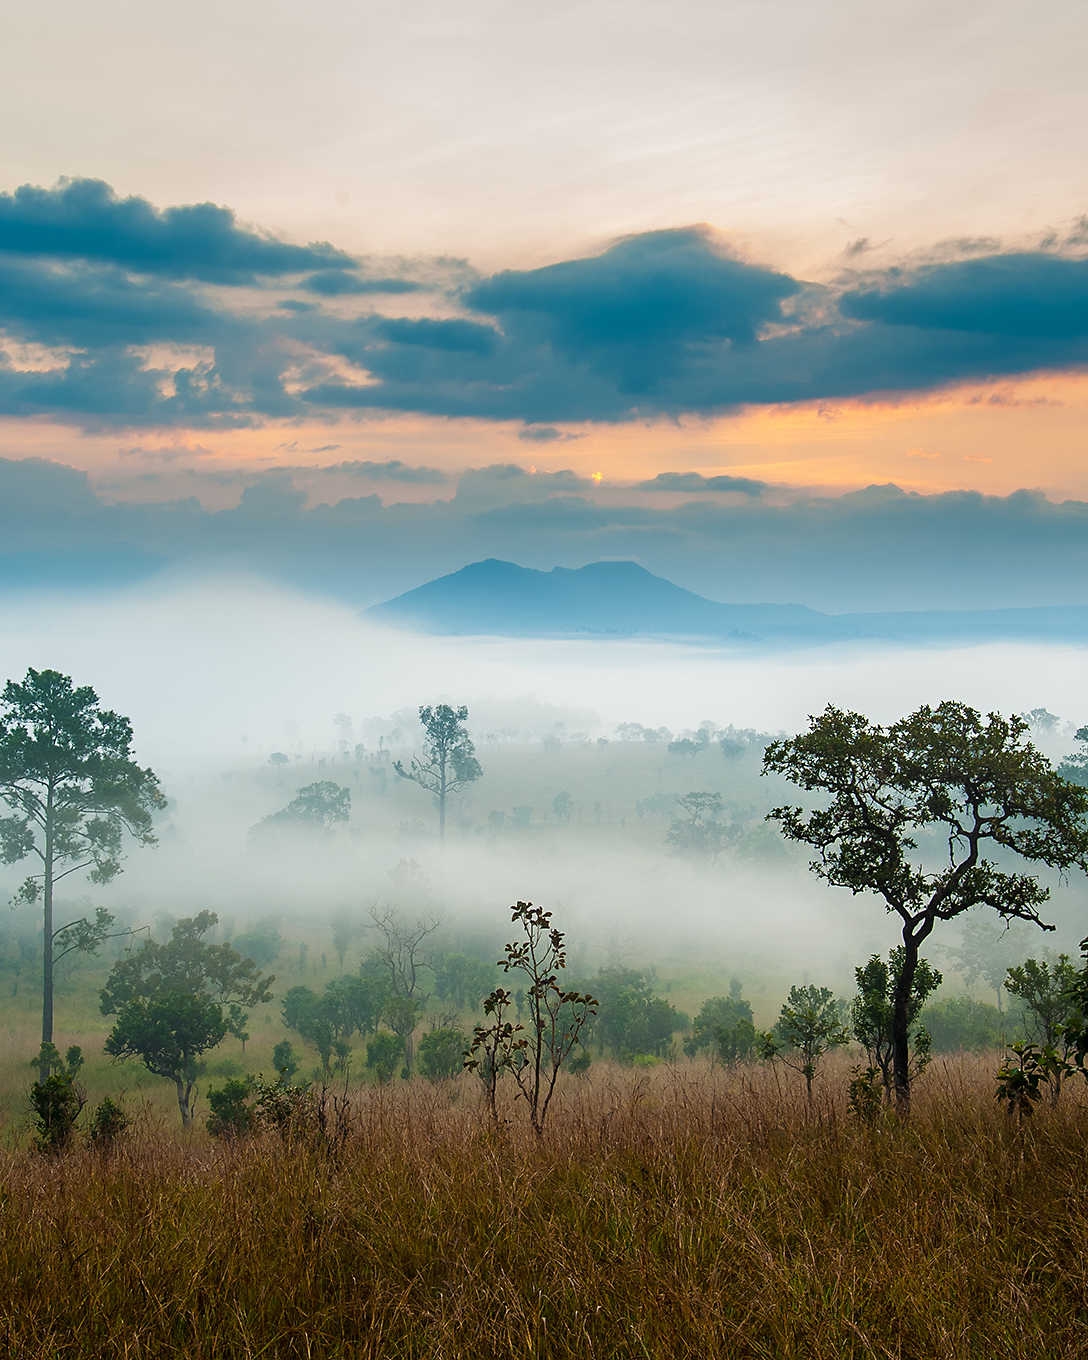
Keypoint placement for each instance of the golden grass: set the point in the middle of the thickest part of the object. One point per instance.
(679, 1212)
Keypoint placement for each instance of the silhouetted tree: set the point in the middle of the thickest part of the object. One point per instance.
(976, 782)
(74, 791)
(448, 761)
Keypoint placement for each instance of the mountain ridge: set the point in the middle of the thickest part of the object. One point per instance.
(621, 599)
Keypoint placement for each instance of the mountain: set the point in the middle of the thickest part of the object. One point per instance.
(624, 600)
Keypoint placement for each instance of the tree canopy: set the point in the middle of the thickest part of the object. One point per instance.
(74, 791)
(448, 761)
(927, 813)
(175, 1000)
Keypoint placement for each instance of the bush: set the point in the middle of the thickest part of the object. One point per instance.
(56, 1103)
(442, 1053)
(231, 1115)
(108, 1123)
(961, 1024)
(384, 1054)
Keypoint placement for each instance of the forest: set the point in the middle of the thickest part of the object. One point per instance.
(816, 1003)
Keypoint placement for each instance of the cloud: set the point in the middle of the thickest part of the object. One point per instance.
(695, 481)
(344, 283)
(881, 548)
(461, 337)
(84, 219)
(1033, 295)
(664, 324)
(544, 434)
(391, 471)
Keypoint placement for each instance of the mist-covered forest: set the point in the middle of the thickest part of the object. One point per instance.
(530, 995)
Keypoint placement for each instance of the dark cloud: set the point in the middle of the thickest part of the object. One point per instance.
(659, 325)
(1037, 296)
(460, 337)
(544, 434)
(98, 306)
(344, 282)
(84, 219)
(663, 285)
(695, 481)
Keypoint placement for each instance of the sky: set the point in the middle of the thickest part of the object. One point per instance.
(786, 300)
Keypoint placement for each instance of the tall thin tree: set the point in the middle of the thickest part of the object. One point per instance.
(73, 792)
(448, 761)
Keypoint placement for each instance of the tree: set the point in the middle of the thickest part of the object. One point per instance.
(725, 1026)
(534, 1054)
(448, 761)
(442, 1052)
(400, 958)
(698, 828)
(316, 808)
(809, 1025)
(945, 778)
(174, 1001)
(1052, 1014)
(74, 792)
(872, 1012)
(349, 1005)
(631, 1020)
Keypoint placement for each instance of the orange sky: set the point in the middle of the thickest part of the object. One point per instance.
(995, 439)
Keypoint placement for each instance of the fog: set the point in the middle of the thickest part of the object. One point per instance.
(217, 674)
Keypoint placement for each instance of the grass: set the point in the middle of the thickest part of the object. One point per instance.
(683, 1211)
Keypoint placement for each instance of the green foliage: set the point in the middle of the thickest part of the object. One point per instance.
(442, 1052)
(73, 792)
(315, 809)
(960, 1024)
(109, 1123)
(67, 774)
(724, 1028)
(809, 1025)
(631, 1018)
(261, 943)
(56, 1104)
(864, 1094)
(462, 980)
(384, 1055)
(448, 761)
(284, 1060)
(975, 785)
(1046, 991)
(1023, 1077)
(175, 1001)
(349, 1005)
(872, 1012)
(698, 828)
(231, 1115)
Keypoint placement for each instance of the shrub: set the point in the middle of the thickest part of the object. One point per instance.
(442, 1053)
(108, 1123)
(231, 1115)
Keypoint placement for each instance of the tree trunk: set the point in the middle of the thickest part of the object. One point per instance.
(904, 983)
(185, 1092)
(442, 798)
(47, 942)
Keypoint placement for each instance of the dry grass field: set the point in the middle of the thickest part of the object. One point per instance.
(682, 1211)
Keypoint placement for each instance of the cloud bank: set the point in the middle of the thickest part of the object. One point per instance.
(148, 317)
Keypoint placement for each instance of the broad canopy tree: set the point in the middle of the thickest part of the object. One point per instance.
(176, 1000)
(928, 813)
(73, 792)
(448, 761)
